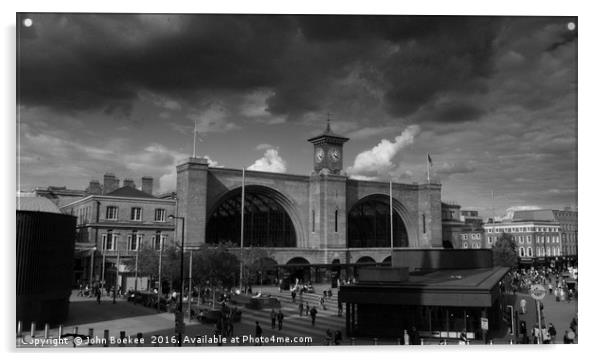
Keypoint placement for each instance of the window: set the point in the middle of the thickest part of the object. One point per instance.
(465, 244)
(159, 215)
(464, 237)
(521, 251)
(529, 252)
(549, 251)
(336, 221)
(111, 212)
(489, 240)
(109, 241)
(520, 239)
(134, 241)
(528, 239)
(136, 214)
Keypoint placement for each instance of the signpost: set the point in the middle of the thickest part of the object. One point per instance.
(538, 292)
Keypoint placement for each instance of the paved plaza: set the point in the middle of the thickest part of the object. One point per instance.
(123, 316)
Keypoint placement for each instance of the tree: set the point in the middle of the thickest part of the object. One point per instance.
(256, 260)
(148, 263)
(215, 266)
(504, 251)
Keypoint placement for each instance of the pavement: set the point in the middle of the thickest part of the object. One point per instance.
(157, 329)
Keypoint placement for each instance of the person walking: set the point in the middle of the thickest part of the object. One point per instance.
(406, 338)
(306, 308)
(293, 295)
(97, 291)
(258, 332)
(280, 319)
(313, 314)
(552, 333)
(523, 306)
(273, 317)
(340, 308)
(322, 303)
(557, 294)
(301, 309)
(550, 288)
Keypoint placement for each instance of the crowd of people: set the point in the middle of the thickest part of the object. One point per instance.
(559, 282)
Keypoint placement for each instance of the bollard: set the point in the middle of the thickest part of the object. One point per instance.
(375, 341)
(445, 341)
(106, 338)
(32, 331)
(138, 338)
(511, 342)
(421, 341)
(19, 329)
(90, 336)
(491, 342)
(399, 341)
(468, 342)
(122, 338)
(60, 331)
(46, 329)
(353, 340)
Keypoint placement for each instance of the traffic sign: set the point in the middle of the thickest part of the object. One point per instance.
(484, 323)
(537, 292)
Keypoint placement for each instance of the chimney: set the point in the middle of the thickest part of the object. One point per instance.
(147, 185)
(94, 187)
(128, 182)
(110, 183)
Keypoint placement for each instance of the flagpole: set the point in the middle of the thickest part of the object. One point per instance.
(391, 209)
(242, 225)
(194, 141)
(428, 169)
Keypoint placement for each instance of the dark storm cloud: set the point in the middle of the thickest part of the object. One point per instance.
(74, 62)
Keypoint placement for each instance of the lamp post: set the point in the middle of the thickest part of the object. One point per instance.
(180, 306)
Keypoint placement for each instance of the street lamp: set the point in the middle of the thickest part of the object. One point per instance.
(180, 306)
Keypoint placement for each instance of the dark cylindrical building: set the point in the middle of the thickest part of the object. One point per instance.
(45, 247)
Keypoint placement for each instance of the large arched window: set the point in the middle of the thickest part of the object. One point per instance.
(369, 226)
(267, 224)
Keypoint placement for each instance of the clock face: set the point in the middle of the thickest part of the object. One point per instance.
(319, 154)
(335, 155)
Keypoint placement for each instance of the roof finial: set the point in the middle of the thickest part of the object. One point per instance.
(328, 123)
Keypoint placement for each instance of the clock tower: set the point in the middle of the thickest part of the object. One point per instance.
(328, 151)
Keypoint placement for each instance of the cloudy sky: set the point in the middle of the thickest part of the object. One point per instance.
(492, 99)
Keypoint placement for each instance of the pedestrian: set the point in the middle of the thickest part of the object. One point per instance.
(306, 308)
(557, 294)
(523, 306)
(293, 295)
(97, 291)
(313, 314)
(258, 332)
(328, 338)
(329, 293)
(550, 288)
(406, 338)
(552, 333)
(301, 309)
(340, 308)
(280, 319)
(273, 317)
(322, 303)
(338, 336)
(562, 294)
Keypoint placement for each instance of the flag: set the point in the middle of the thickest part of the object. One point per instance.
(428, 157)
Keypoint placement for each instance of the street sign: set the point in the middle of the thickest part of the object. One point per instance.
(484, 323)
(537, 292)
